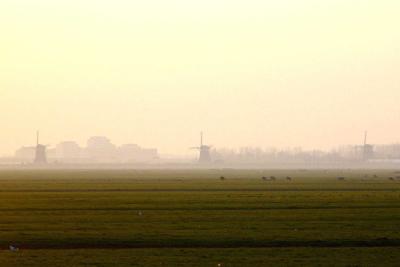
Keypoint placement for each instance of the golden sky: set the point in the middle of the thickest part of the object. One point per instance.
(263, 73)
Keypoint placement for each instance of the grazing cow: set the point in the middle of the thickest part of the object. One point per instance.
(222, 178)
(288, 178)
(264, 178)
(391, 178)
(341, 178)
(375, 176)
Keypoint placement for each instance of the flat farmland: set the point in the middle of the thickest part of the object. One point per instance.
(193, 218)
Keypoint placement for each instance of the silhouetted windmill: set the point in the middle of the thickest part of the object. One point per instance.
(40, 153)
(368, 150)
(204, 156)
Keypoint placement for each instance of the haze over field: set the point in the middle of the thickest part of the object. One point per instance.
(284, 73)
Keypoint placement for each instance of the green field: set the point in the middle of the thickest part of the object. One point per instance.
(192, 218)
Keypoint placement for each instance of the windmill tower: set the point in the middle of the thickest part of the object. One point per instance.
(40, 153)
(368, 150)
(204, 156)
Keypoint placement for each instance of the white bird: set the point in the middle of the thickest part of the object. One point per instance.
(14, 249)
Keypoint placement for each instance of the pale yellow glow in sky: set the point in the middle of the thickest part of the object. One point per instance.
(281, 73)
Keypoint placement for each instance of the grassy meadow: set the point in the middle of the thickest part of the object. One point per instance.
(193, 218)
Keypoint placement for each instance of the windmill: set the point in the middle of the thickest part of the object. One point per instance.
(40, 152)
(204, 156)
(368, 150)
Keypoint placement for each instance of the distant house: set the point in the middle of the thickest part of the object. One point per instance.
(68, 150)
(100, 149)
(134, 153)
(25, 154)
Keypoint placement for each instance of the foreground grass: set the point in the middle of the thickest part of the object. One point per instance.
(205, 257)
(176, 218)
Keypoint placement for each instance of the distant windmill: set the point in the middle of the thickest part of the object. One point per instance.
(204, 156)
(40, 153)
(368, 150)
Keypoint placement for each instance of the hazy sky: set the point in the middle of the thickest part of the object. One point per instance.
(281, 73)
